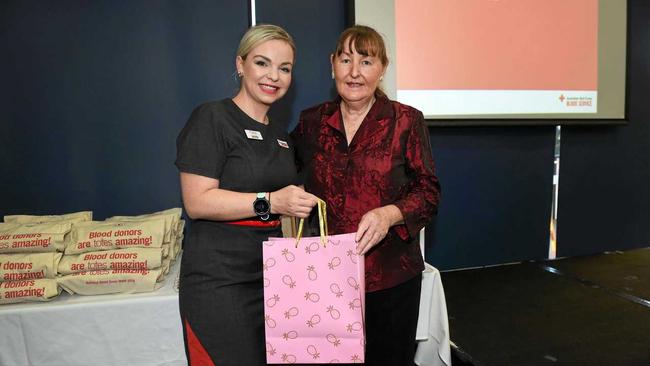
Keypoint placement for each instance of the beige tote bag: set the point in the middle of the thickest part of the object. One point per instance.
(123, 281)
(109, 235)
(133, 258)
(29, 238)
(28, 290)
(14, 267)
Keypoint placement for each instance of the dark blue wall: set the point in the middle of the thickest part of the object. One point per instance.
(93, 94)
(315, 26)
(496, 195)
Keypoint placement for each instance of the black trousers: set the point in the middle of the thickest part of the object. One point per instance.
(391, 324)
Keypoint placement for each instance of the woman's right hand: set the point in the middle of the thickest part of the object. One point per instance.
(292, 201)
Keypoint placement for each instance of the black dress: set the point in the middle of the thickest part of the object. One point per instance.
(221, 289)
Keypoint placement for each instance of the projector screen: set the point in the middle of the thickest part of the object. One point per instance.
(504, 61)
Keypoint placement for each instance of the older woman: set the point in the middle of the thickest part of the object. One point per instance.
(236, 170)
(369, 158)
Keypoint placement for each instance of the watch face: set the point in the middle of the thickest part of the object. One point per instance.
(261, 206)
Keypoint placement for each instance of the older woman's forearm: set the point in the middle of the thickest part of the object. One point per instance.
(393, 215)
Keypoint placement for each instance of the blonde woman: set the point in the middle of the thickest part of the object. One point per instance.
(236, 173)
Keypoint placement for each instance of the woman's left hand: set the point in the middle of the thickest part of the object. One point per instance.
(374, 226)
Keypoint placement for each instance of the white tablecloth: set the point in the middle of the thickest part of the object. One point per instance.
(433, 326)
(116, 330)
(145, 329)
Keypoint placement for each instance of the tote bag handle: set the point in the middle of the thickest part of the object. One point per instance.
(322, 223)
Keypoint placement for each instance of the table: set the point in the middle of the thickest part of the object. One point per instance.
(127, 329)
(145, 329)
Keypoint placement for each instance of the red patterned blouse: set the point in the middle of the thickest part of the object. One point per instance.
(388, 162)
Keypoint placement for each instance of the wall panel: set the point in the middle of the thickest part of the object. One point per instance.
(94, 94)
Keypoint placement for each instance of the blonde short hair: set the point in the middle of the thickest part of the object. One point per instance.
(261, 33)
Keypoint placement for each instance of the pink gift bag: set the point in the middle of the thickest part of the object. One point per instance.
(314, 295)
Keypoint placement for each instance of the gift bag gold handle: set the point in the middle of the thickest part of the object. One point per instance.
(322, 223)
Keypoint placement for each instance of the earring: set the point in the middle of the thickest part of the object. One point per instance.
(381, 78)
(332, 75)
(240, 74)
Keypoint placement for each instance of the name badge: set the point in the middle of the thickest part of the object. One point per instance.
(283, 144)
(253, 135)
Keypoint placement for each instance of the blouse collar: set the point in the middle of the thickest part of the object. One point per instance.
(380, 110)
(378, 117)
